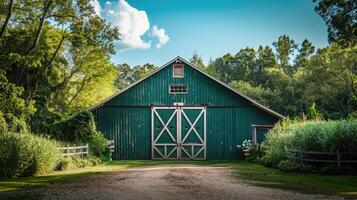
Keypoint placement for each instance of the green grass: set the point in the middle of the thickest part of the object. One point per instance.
(249, 172)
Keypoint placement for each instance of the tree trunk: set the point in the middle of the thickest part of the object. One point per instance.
(7, 20)
(54, 54)
(39, 30)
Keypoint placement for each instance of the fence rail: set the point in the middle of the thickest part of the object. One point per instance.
(326, 157)
(69, 151)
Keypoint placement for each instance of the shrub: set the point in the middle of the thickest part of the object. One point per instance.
(77, 162)
(26, 154)
(78, 128)
(97, 144)
(288, 166)
(325, 136)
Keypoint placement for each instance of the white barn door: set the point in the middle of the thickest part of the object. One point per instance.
(178, 133)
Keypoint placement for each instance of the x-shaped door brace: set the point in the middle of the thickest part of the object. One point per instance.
(178, 143)
(192, 126)
(165, 126)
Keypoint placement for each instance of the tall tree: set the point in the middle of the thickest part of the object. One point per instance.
(285, 47)
(341, 19)
(330, 79)
(53, 46)
(197, 61)
(265, 59)
(224, 66)
(128, 75)
(243, 64)
(8, 14)
(305, 52)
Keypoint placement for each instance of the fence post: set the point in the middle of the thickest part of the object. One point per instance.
(87, 145)
(338, 159)
(301, 157)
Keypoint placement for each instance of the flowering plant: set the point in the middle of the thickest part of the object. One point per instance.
(247, 145)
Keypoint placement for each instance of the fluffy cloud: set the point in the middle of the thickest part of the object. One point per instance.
(161, 35)
(133, 24)
(96, 6)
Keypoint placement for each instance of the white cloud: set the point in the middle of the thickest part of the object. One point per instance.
(161, 35)
(132, 24)
(96, 6)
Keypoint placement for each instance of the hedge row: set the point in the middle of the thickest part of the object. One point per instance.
(76, 129)
(26, 154)
(325, 136)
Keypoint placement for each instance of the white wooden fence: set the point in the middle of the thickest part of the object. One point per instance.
(69, 151)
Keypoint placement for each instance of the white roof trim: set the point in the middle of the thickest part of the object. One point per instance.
(196, 68)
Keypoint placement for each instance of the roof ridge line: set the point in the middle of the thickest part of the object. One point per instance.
(254, 102)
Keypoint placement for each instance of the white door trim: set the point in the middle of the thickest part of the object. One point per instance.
(178, 142)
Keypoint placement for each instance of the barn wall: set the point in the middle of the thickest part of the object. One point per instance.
(201, 90)
(226, 128)
(127, 117)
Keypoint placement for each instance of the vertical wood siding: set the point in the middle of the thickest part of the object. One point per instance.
(127, 117)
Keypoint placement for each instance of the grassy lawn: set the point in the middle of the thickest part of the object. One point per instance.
(250, 173)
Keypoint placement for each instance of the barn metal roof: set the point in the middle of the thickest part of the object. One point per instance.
(255, 103)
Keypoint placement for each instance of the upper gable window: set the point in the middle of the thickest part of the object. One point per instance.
(178, 71)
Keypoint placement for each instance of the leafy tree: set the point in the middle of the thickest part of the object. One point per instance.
(265, 59)
(330, 80)
(224, 66)
(128, 75)
(243, 64)
(58, 52)
(341, 19)
(211, 69)
(13, 110)
(264, 96)
(197, 61)
(305, 52)
(284, 47)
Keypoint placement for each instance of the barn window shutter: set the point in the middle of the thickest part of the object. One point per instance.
(178, 71)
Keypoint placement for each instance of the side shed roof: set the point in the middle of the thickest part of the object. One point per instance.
(178, 58)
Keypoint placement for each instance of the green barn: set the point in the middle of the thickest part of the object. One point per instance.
(180, 112)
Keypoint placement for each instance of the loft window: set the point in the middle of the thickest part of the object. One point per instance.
(178, 71)
(178, 89)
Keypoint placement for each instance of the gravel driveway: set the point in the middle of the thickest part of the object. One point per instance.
(158, 183)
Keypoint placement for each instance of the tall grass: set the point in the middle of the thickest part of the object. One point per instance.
(325, 136)
(26, 154)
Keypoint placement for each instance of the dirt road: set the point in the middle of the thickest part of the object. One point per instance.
(159, 183)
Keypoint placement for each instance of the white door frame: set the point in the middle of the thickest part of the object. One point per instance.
(179, 143)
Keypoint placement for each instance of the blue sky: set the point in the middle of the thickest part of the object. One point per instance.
(210, 27)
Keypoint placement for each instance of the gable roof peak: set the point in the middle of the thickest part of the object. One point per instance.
(179, 59)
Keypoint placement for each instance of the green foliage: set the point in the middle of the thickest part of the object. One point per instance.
(330, 81)
(197, 61)
(128, 75)
(288, 166)
(97, 145)
(55, 57)
(13, 110)
(341, 19)
(26, 154)
(285, 46)
(326, 77)
(76, 129)
(314, 113)
(264, 96)
(324, 136)
(77, 162)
